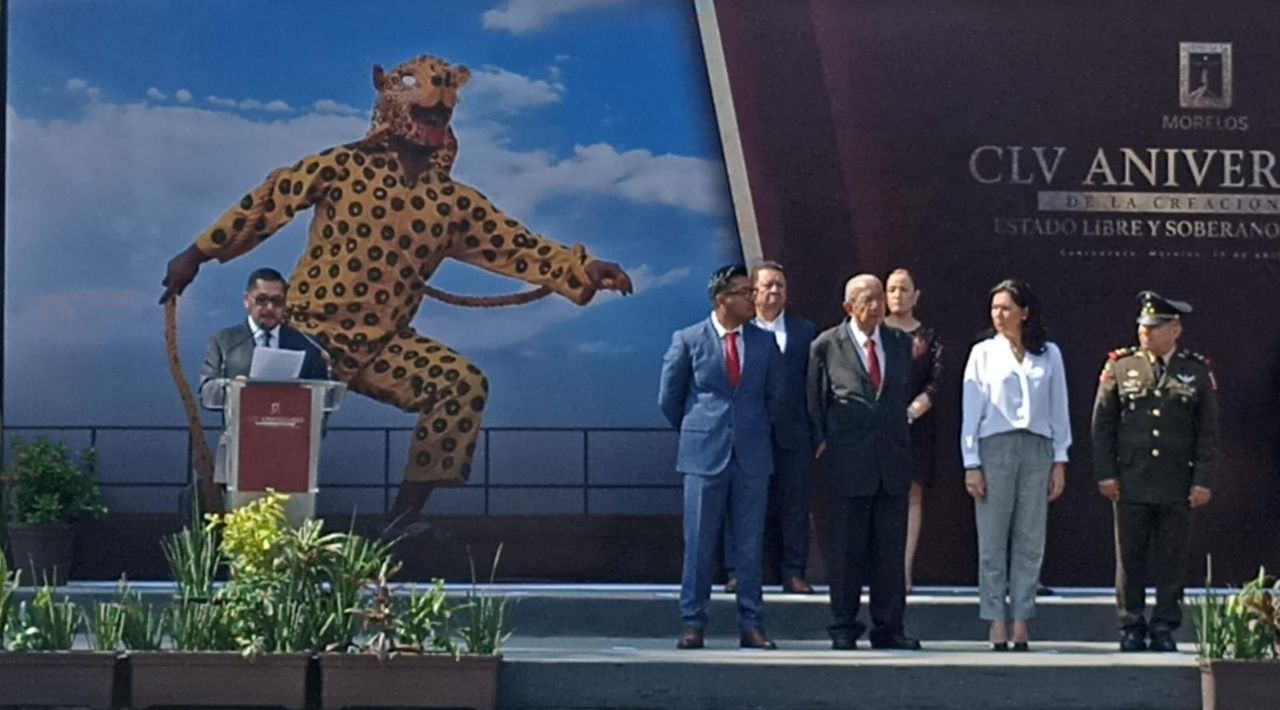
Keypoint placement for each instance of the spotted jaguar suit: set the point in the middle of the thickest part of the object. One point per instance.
(377, 236)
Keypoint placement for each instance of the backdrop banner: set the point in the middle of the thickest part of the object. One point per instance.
(1095, 149)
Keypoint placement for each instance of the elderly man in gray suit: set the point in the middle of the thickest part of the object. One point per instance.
(859, 374)
(231, 349)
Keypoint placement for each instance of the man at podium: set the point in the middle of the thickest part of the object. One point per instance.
(231, 349)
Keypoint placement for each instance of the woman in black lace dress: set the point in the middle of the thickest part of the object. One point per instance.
(926, 376)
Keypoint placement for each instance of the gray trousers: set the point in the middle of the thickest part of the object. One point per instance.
(1011, 523)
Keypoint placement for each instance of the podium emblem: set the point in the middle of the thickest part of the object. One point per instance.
(275, 407)
(1204, 75)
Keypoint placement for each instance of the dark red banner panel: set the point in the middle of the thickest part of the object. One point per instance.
(1095, 149)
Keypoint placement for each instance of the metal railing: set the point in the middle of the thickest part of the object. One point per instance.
(588, 483)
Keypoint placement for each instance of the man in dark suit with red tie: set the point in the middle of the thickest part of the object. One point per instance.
(859, 375)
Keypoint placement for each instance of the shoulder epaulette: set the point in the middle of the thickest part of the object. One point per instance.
(1193, 355)
(1121, 352)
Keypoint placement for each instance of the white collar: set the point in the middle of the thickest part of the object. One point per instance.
(720, 329)
(860, 338)
(257, 331)
(777, 325)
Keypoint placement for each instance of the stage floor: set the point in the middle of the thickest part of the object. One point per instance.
(590, 647)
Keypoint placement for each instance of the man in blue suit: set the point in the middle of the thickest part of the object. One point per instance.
(721, 388)
(786, 534)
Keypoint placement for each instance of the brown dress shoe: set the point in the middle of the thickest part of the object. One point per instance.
(755, 638)
(731, 585)
(690, 638)
(797, 585)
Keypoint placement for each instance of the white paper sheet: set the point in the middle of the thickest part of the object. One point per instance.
(276, 364)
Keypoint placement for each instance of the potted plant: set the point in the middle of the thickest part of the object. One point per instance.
(1238, 639)
(249, 642)
(409, 654)
(49, 489)
(42, 669)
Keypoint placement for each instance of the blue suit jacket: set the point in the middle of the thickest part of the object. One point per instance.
(717, 421)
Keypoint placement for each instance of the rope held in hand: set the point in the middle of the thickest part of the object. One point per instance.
(513, 299)
(579, 260)
(210, 496)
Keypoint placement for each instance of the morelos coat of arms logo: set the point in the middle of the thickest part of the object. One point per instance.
(1204, 75)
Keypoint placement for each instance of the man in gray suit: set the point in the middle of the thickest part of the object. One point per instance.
(859, 374)
(720, 388)
(231, 349)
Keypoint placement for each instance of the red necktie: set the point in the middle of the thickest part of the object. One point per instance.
(873, 364)
(731, 360)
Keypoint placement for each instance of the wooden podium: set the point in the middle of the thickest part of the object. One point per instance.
(271, 439)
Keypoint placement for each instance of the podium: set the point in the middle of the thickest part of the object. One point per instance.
(271, 439)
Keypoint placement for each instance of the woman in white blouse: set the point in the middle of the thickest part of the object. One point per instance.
(1013, 438)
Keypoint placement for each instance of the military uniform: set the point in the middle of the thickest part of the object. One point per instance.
(1155, 431)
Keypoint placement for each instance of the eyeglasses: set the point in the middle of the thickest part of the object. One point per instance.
(277, 301)
(741, 292)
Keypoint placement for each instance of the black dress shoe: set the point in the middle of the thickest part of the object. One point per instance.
(755, 638)
(897, 642)
(1133, 640)
(844, 642)
(731, 586)
(1000, 646)
(690, 638)
(1021, 646)
(797, 585)
(1162, 642)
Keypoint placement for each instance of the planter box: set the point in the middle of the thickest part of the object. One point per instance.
(1239, 685)
(408, 680)
(199, 679)
(79, 678)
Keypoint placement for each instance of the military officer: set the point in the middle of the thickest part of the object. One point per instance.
(1155, 434)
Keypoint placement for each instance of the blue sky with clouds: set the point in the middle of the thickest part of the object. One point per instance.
(133, 123)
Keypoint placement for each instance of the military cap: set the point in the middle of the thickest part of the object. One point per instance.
(1156, 310)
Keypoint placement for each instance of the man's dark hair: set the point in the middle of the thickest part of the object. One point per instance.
(265, 274)
(1034, 333)
(770, 265)
(721, 277)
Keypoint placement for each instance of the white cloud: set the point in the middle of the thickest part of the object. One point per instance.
(335, 107)
(275, 106)
(524, 16)
(519, 181)
(182, 95)
(78, 85)
(156, 94)
(602, 347)
(496, 89)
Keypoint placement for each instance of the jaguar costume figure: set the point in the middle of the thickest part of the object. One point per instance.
(386, 213)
